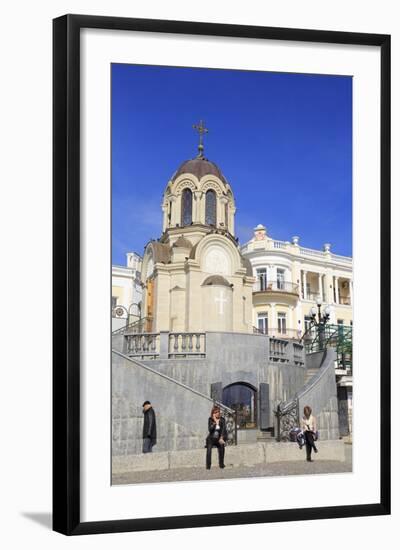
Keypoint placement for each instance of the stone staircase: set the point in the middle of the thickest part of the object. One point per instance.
(310, 373)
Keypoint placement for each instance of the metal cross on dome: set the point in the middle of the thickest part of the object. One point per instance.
(201, 129)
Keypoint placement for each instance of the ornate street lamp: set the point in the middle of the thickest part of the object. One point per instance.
(319, 320)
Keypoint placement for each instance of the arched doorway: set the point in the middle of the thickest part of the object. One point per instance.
(242, 398)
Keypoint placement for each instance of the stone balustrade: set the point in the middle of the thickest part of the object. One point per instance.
(165, 345)
(298, 353)
(278, 351)
(184, 344)
(145, 345)
(285, 351)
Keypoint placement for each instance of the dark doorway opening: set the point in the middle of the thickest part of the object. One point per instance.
(242, 398)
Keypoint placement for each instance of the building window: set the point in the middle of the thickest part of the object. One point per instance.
(211, 207)
(187, 206)
(262, 321)
(280, 279)
(242, 398)
(169, 212)
(262, 279)
(282, 323)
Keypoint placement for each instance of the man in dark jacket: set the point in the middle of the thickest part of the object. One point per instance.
(149, 427)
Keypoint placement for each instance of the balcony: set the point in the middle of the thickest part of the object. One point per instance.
(276, 286)
(282, 333)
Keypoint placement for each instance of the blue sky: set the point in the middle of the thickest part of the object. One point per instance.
(283, 141)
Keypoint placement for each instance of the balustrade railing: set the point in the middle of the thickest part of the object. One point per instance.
(275, 286)
(145, 346)
(183, 344)
(283, 333)
(345, 259)
(311, 252)
(298, 353)
(278, 350)
(279, 244)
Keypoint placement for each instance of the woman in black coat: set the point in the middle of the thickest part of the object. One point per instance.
(217, 436)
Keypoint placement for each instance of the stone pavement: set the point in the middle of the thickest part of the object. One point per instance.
(259, 470)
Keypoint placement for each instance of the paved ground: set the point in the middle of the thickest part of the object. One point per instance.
(261, 470)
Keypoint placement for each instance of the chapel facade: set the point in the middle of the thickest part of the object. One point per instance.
(195, 277)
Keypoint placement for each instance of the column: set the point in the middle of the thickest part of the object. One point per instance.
(329, 286)
(351, 291)
(305, 297)
(337, 289)
(273, 277)
(175, 211)
(197, 207)
(223, 201)
(320, 286)
(273, 322)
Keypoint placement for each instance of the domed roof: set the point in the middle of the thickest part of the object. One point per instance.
(199, 167)
(216, 280)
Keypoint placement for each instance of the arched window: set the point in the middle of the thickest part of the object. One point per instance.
(211, 207)
(243, 399)
(187, 206)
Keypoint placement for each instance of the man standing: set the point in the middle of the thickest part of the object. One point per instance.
(149, 427)
(217, 437)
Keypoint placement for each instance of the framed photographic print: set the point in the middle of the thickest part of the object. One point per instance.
(221, 274)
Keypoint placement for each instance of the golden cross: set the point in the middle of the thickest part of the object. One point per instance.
(202, 130)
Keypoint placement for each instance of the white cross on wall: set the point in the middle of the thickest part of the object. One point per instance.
(221, 300)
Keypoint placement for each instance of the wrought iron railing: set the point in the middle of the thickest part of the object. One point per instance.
(288, 417)
(142, 325)
(275, 286)
(339, 337)
(230, 416)
(328, 335)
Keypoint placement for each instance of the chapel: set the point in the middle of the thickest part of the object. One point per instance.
(195, 277)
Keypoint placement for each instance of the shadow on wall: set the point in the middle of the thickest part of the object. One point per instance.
(181, 413)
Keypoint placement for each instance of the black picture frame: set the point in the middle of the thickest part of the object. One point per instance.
(66, 272)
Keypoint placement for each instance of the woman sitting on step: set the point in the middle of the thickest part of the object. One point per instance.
(309, 428)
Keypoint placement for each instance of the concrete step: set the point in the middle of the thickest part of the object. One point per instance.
(265, 436)
(239, 455)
